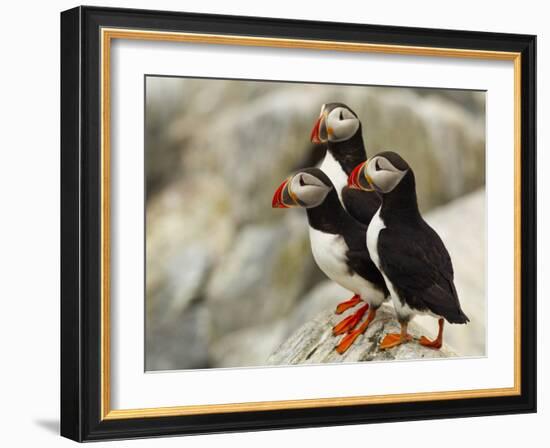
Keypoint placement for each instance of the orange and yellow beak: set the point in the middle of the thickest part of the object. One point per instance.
(315, 131)
(352, 178)
(284, 196)
(359, 178)
(319, 133)
(277, 201)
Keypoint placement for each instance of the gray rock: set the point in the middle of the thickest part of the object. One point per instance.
(314, 343)
(182, 345)
(181, 247)
(260, 279)
(248, 347)
(184, 275)
(187, 230)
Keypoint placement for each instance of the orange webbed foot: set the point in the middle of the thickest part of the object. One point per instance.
(348, 304)
(343, 326)
(393, 340)
(347, 341)
(350, 338)
(435, 344)
(438, 341)
(350, 322)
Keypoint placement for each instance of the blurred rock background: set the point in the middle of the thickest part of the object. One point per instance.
(228, 279)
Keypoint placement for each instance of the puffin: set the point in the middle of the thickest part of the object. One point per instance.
(339, 128)
(409, 254)
(344, 258)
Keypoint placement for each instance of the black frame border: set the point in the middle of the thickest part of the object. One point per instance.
(81, 223)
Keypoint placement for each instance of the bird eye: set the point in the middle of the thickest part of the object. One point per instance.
(377, 166)
(301, 180)
(341, 115)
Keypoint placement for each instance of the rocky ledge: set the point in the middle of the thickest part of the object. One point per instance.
(314, 343)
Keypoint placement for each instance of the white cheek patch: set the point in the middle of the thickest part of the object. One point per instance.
(312, 196)
(384, 180)
(344, 130)
(388, 180)
(341, 129)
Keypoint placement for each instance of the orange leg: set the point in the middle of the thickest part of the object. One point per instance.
(349, 323)
(348, 304)
(350, 338)
(437, 342)
(394, 339)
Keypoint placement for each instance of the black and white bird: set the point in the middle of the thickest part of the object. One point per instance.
(339, 128)
(410, 255)
(344, 257)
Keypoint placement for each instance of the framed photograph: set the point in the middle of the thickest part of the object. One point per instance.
(271, 223)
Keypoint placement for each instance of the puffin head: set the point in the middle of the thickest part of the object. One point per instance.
(308, 189)
(336, 123)
(381, 173)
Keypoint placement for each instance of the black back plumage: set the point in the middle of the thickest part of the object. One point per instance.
(330, 217)
(360, 204)
(414, 258)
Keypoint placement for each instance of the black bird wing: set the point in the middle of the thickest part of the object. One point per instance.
(357, 255)
(420, 268)
(360, 262)
(362, 205)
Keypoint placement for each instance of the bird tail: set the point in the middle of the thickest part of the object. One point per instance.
(458, 318)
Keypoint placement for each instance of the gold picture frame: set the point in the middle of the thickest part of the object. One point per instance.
(108, 30)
